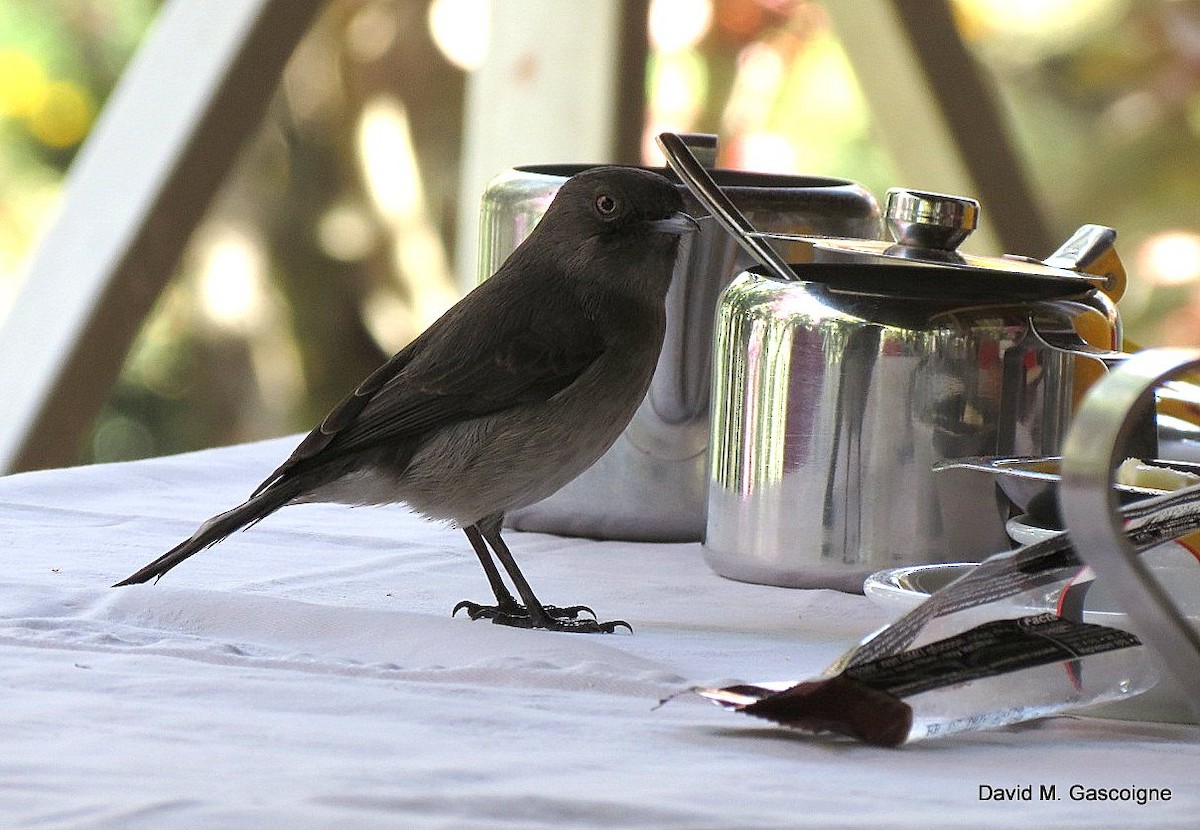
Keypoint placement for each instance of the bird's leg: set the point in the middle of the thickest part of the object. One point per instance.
(535, 612)
(505, 603)
(537, 615)
(506, 608)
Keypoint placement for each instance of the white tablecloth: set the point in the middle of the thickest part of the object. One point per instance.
(306, 673)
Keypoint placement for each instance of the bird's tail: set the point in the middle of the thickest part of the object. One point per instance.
(217, 528)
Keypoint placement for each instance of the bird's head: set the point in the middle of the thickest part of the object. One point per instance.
(619, 201)
(615, 229)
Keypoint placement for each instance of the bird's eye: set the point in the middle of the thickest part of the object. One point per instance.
(606, 204)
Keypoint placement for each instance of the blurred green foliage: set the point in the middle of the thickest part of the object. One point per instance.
(266, 323)
(58, 61)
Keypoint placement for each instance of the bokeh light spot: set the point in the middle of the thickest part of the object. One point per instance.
(372, 31)
(63, 115)
(1032, 28)
(22, 84)
(460, 30)
(1170, 258)
(679, 24)
(346, 233)
(230, 280)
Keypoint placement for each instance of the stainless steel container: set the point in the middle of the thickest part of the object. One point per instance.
(835, 395)
(651, 483)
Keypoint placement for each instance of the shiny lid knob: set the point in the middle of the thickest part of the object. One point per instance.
(929, 220)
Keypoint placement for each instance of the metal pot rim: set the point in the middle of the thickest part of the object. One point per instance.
(727, 178)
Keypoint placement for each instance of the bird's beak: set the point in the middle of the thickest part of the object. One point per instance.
(678, 223)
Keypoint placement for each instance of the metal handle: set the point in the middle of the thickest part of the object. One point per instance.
(1108, 418)
(1092, 250)
(708, 192)
(1061, 336)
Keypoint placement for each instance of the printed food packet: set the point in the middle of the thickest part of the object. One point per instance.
(939, 670)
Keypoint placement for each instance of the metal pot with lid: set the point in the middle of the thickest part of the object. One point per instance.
(844, 376)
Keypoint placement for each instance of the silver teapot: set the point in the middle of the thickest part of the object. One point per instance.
(836, 391)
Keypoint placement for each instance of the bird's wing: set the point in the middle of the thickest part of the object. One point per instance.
(452, 373)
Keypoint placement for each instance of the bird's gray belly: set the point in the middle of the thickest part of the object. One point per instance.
(469, 470)
(495, 464)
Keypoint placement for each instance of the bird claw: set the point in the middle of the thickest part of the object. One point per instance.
(555, 619)
(584, 626)
(610, 626)
(474, 609)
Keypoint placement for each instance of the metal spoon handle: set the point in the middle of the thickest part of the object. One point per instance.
(692, 172)
(1095, 445)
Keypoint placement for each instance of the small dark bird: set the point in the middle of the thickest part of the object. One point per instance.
(509, 395)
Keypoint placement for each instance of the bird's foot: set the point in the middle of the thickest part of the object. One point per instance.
(554, 618)
(511, 608)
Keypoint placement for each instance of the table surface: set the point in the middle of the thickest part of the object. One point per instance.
(307, 673)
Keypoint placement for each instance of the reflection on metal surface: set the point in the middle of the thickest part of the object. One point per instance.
(830, 410)
(1028, 481)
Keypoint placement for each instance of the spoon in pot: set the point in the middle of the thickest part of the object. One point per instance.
(708, 193)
